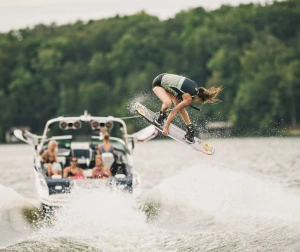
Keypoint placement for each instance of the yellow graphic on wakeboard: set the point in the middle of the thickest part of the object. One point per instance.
(207, 151)
(141, 110)
(207, 146)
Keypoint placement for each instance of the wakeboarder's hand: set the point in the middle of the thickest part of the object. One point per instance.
(165, 131)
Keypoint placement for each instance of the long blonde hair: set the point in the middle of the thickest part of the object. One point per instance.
(52, 142)
(106, 137)
(209, 95)
(100, 157)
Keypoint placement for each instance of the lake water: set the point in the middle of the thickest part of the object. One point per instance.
(246, 197)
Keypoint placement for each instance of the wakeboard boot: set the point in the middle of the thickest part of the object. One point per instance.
(189, 136)
(161, 118)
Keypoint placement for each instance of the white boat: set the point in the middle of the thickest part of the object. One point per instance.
(79, 136)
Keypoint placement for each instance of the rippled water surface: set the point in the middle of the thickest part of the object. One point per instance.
(244, 198)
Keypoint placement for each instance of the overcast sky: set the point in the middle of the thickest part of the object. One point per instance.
(16, 14)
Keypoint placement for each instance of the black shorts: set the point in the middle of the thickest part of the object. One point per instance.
(157, 81)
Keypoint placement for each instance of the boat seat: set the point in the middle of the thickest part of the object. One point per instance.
(61, 160)
(108, 159)
(58, 167)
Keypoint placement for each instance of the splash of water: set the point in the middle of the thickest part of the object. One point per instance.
(238, 199)
(13, 224)
(97, 217)
(145, 98)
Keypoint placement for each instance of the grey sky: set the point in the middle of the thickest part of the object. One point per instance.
(16, 14)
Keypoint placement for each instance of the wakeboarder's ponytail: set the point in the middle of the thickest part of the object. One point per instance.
(209, 95)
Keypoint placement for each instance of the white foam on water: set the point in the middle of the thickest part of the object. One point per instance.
(229, 196)
(111, 209)
(10, 198)
(102, 219)
(13, 225)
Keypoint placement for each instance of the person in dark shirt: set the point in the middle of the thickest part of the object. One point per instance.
(72, 171)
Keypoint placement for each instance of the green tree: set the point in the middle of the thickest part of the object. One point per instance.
(258, 102)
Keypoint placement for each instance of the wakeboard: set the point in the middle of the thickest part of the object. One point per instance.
(175, 132)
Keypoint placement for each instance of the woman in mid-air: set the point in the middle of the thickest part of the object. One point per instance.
(182, 92)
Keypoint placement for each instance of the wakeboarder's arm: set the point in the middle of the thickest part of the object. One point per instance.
(186, 101)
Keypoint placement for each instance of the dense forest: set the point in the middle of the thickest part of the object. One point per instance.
(102, 65)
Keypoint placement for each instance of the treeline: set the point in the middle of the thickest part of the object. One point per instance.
(99, 66)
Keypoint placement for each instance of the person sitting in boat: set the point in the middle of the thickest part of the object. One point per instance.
(52, 168)
(51, 151)
(106, 146)
(49, 160)
(100, 170)
(72, 171)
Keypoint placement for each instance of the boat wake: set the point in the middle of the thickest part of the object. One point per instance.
(13, 210)
(226, 196)
(98, 220)
(199, 208)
